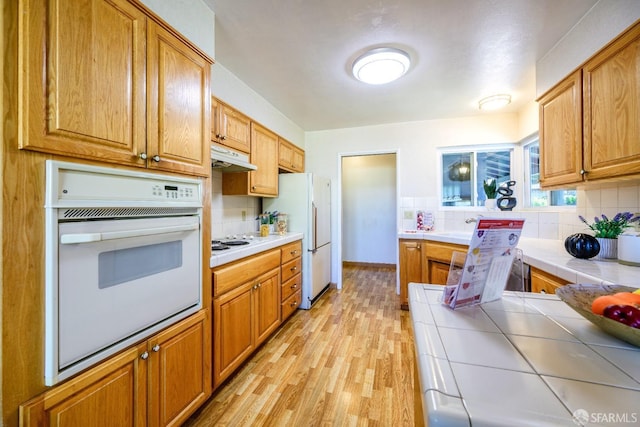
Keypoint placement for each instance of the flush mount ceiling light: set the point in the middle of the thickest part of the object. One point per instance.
(494, 102)
(381, 65)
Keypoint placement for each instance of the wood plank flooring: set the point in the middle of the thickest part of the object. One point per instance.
(346, 362)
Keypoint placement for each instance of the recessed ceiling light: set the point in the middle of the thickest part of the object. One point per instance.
(381, 65)
(494, 102)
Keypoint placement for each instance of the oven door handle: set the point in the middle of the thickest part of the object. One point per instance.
(70, 239)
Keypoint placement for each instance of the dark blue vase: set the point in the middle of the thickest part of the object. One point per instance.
(582, 245)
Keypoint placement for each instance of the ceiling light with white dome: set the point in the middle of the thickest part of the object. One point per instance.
(494, 102)
(381, 65)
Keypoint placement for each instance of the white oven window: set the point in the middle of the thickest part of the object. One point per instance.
(124, 265)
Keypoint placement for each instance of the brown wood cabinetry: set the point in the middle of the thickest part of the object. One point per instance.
(290, 157)
(588, 122)
(158, 382)
(109, 81)
(543, 282)
(246, 309)
(424, 261)
(291, 276)
(230, 127)
(410, 254)
(264, 180)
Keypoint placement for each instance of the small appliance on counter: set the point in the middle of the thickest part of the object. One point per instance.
(629, 249)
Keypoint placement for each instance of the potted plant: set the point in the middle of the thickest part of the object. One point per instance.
(607, 231)
(490, 190)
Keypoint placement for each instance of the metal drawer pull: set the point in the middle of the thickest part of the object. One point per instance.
(156, 348)
(144, 356)
(294, 268)
(69, 239)
(294, 286)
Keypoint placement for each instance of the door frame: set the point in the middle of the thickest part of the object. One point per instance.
(337, 213)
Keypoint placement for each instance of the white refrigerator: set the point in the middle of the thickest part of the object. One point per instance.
(306, 199)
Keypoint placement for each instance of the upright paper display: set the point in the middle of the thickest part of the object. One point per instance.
(488, 262)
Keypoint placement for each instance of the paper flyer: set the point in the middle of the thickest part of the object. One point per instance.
(488, 262)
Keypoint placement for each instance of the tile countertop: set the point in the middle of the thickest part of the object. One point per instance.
(526, 360)
(257, 245)
(550, 256)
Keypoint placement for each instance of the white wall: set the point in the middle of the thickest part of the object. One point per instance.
(369, 209)
(602, 23)
(192, 18)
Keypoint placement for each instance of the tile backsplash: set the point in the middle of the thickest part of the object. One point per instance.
(543, 224)
(232, 214)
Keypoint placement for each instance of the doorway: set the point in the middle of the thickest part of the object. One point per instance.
(369, 209)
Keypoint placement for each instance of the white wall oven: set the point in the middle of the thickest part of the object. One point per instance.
(123, 260)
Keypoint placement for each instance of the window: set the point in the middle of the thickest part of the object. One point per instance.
(463, 173)
(536, 196)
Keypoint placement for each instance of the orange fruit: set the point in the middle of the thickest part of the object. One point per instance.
(629, 297)
(599, 304)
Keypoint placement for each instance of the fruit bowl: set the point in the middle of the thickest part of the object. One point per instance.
(579, 297)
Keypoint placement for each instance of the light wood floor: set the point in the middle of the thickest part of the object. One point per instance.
(346, 362)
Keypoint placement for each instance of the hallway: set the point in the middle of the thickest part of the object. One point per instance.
(346, 362)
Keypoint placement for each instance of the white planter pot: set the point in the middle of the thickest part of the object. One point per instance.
(608, 248)
(490, 204)
(629, 249)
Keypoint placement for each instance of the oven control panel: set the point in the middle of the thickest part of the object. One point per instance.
(174, 192)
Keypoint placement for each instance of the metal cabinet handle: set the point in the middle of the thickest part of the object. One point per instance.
(542, 291)
(294, 303)
(294, 252)
(143, 156)
(583, 172)
(156, 348)
(156, 158)
(144, 356)
(294, 268)
(294, 286)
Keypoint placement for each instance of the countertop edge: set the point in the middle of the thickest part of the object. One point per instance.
(262, 244)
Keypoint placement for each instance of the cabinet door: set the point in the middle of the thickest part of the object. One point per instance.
(410, 268)
(179, 378)
(264, 154)
(543, 282)
(438, 272)
(178, 109)
(234, 129)
(290, 304)
(82, 80)
(612, 109)
(290, 157)
(297, 159)
(267, 305)
(113, 393)
(233, 329)
(561, 133)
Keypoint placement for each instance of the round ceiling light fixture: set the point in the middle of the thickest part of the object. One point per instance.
(494, 102)
(381, 65)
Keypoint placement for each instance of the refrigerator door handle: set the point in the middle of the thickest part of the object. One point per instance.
(314, 243)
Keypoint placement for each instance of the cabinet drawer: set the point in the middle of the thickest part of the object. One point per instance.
(442, 251)
(291, 251)
(291, 304)
(291, 286)
(291, 268)
(232, 275)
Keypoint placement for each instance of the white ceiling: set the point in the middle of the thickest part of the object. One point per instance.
(297, 54)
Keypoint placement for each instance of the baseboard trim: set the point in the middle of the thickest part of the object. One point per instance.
(367, 264)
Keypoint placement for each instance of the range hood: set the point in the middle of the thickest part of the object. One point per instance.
(229, 160)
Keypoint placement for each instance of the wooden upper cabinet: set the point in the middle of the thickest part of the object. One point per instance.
(589, 122)
(101, 80)
(561, 132)
(264, 154)
(83, 79)
(178, 108)
(290, 157)
(612, 109)
(232, 128)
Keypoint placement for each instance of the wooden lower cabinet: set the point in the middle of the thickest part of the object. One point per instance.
(424, 261)
(410, 268)
(159, 382)
(246, 310)
(291, 276)
(543, 282)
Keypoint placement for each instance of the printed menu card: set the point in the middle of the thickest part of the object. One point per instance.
(488, 263)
